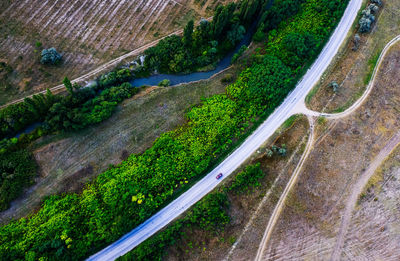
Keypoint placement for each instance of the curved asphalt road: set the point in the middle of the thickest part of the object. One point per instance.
(292, 104)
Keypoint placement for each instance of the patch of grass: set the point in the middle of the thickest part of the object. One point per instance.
(311, 94)
(371, 66)
(289, 122)
(350, 102)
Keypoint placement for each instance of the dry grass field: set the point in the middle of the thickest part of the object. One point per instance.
(87, 33)
(353, 69)
(344, 149)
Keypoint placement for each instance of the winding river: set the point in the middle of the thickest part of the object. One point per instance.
(178, 78)
(195, 76)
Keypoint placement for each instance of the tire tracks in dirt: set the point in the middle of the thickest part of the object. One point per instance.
(281, 203)
(100, 69)
(362, 182)
(357, 190)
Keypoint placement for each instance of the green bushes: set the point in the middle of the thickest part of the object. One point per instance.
(50, 56)
(115, 77)
(73, 226)
(164, 83)
(264, 84)
(84, 107)
(208, 214)
(75, 111)
(17, 117)
(239, 53)
(17, 170)
(250, 177)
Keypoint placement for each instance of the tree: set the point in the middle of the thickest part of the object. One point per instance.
(259, 35)
(378, 2)
(334, 85)
(188, 34)
(367, 18)
(299, 47)
(236, 33)
(50, 56)
(68, 85)
(356, 41)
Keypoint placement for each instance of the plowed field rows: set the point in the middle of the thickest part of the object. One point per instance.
(87, 33)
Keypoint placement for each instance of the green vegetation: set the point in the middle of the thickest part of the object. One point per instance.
(164, 83)
(81, 108)
(371, 66)
(50, 56)
(210, 214)
(250, 177)
(200, 47)
(72, 226)
(289, 122)
(368, 16)
(239, 53)
(17, 170)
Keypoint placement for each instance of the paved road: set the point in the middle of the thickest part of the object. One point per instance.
(293, 104)
(346, 218)
(368, 90)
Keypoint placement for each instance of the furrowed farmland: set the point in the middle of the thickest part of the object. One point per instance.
(86, 33)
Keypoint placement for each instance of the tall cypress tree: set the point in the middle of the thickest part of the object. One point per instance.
(188, 34)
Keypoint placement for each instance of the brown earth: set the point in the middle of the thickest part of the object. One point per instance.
(309, 225)
(353, 68)
(375, 228)
(87, 33)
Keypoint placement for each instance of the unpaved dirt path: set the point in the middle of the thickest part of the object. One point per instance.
(360, 184)
(281, 203)
(366, 93)
(267, 196)
(357, 190)
(105, 67)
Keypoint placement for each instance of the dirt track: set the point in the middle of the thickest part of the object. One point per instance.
(88, 34)
(340, 165)
(356, 191)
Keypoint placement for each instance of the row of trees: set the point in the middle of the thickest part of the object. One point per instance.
(45, 107)
(71, 227)
(198, 46)
(82, 107)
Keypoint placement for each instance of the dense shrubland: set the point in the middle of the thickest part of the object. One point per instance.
(71, 111)
(72, 226)
(82, 107)
(209, 214)
(17, 169)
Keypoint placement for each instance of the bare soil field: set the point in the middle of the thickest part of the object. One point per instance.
(253, 206)
(354, 68)
(87, 33)
(374, 229)
(344, 149)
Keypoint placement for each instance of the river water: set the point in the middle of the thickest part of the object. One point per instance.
(178, 78)
(195, 76)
